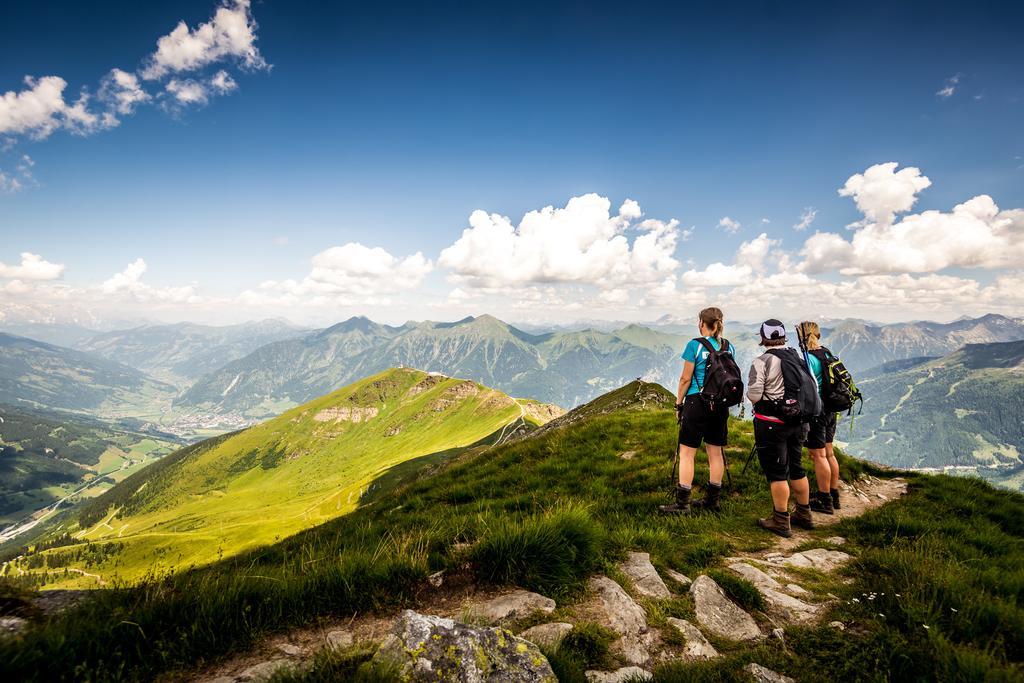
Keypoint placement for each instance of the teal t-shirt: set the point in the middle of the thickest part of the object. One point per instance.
(698, 355)
(815, 364)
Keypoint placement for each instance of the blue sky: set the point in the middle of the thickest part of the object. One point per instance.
(388, 126)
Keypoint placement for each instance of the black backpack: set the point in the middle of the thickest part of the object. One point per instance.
(838, 390)
(723, 383)
(801, 400)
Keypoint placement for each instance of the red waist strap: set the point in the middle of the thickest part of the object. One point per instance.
(768, 418)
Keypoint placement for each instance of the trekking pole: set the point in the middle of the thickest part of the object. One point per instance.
(750, 456)
(725, 462)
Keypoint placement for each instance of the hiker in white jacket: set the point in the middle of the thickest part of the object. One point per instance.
(779, 445)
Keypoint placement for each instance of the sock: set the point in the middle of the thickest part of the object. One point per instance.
(834, 492)
(803, 507)
(714, 485)
(683, 486)
(784, 513)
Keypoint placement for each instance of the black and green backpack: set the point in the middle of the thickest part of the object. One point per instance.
(838, 390)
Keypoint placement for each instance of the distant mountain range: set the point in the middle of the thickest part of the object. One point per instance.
(34, 373)
(182, 353)
(564, 368)
(964, 409)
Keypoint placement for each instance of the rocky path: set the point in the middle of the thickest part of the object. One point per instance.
(461, 633)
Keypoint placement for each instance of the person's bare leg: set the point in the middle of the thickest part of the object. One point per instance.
(686, 455)
(822, 469)
(833, 464)
(780, 495)
(801, 491)
(716, 465)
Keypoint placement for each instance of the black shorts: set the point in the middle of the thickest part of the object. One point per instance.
(779, 450)
(701, 424)
(823, 431)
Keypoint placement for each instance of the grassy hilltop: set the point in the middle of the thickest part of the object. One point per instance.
(260, 485)
(945, 564)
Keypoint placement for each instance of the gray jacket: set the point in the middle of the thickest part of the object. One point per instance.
(765, 381)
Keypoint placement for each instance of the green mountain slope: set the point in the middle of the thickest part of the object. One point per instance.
(46, 457)
(181, 353)
(964, 409)
(548, 511)
(39, 374)
(308, 465)
(562, 368)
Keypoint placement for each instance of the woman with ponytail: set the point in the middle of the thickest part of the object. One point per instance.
(697, 422)
(823, 429)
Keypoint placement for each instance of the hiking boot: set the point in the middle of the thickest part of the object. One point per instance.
(709, 502)
(778, 524)
(835, 500)
(802, 516)
(682, 504)
(822, 502)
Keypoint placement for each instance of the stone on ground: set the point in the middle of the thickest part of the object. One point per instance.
(547, 634)
(430, 648)
(514, 605)
(719, 614)
(627, 673)
(682, 579)
(762, 674)
(625, 617)
(835, 540)
(290, 650)
(264, 670)
(11, 625)
(779, 604)
(340, 639)
(644, 576)
(697, 646)
(818, 558)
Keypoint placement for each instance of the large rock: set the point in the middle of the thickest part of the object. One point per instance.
(762, 674)
(510, 606)
(697, 646)
(340, 639)
(644, 576)
(547, 634)
(428, 648)
(626, 618)
(818, 558)
(719, 614)
(682, 579)
(12, 625)
(627, 673)
(779, 604)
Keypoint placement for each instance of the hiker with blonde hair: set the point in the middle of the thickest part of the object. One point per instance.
(822, 428)
(710, 383)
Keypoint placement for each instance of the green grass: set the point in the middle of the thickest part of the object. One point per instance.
(534, 510)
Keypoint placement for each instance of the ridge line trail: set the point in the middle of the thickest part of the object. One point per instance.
(453, 603)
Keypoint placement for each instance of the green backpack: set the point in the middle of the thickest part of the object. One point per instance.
(838, 390)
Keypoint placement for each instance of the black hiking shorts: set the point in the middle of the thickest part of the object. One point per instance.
(779, 450)
(823, 431)
(699, 424)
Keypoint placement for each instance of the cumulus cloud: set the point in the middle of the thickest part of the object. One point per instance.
(187, 91)
(351, 273)
(579, 243)
(121, 90)
(231, 33)
(40, 109)
(881, 191)
(948, 88)
(128, 283)
(975, 234)
(729, 225)
(806, 218)
(32, 267)
(222, 82)
(751, 257)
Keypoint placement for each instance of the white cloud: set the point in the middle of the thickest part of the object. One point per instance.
(949, 87)
(718, 275)
(187, 91)
(129, 283)
(753, 253)
(630, 209)
(122, 91)
(222, 82)
(40, 109)
(729, 225)
(580, 243)
(32, 267)
(881, 191)
(825, 251)
(806, 218)
(231, 33)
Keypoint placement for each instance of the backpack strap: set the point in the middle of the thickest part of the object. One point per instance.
(711, 350)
